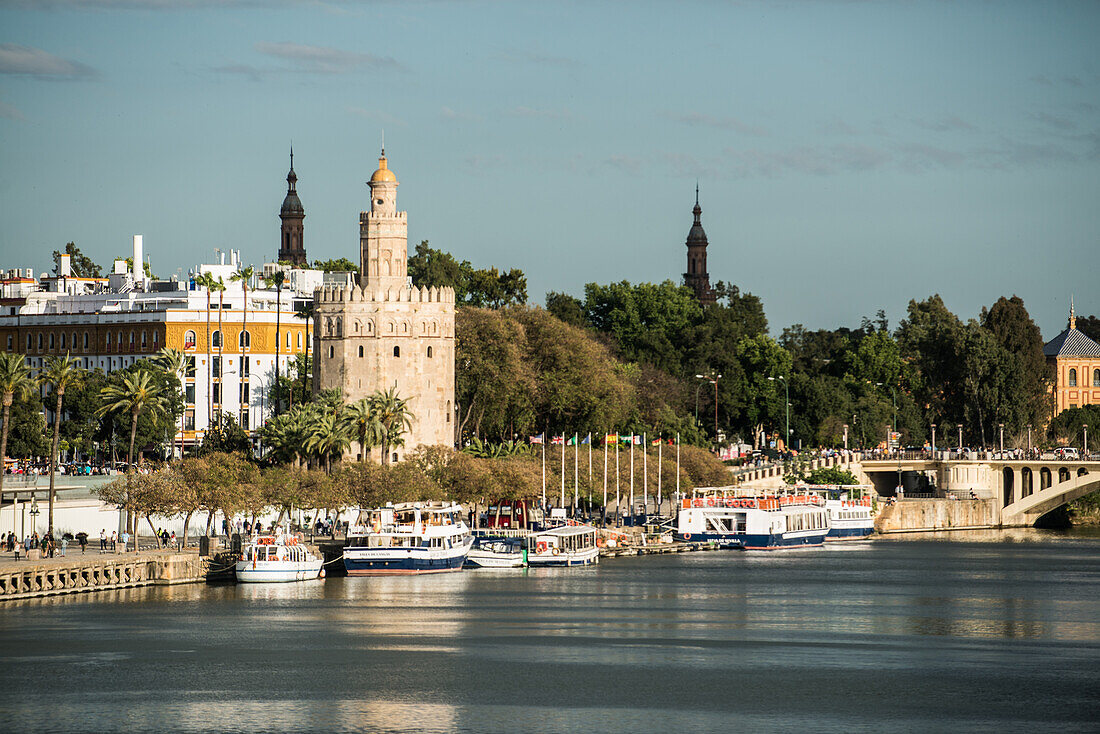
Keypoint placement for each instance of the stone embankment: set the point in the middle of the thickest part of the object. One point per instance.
(920, 515)
(74, 574)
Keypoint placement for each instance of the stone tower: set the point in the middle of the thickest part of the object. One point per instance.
(291, 246)
(384, 333)
(697, 278)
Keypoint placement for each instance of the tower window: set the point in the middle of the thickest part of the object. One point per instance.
(189, 340)
(244, 340)
(1095, 373)
(331, 352)
(397, 351)
(85, 340)
(360, 351)
(1073, 378)
(216, 339)
(51, 341)
(10, 342)
(429, 352)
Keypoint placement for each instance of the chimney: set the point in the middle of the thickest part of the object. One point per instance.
(139, 271)
(65, 270)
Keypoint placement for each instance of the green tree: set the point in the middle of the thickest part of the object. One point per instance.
(360, 419)
(62, 373)
(430, 268)
(15, 381)
(1019, 336)
(82, 266)
(395, 417)
(567, 308)
(494, 382)
(336, 265)
(227, 437)
(244, 277)
(173, 362)
(138, 393)
(1066, 428)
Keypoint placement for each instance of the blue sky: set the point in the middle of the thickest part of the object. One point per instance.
(851, 155)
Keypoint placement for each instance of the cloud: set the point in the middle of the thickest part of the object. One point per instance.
(34, 62)
(449, 114)
(374, 116)
(1054, 121)
(527, 56)
(10, 112)
(521, 111)
(722, 123)
(322, 59)
(945, 124)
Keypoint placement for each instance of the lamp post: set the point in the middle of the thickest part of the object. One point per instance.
(1028, 438)
(845, 436)
(933, 441)
(960, 437)
(34, 512)
(787, 407)
(1001, 426)
(1085, 426)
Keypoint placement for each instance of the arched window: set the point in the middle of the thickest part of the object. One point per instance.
(51, 340)
(288, 340)
(40, 341)
(108, 340)
(244, 340)
(299, 340)
(30, 339)
(72, 340)
(11, 342)
(370, 327)
(331, 352)
(216, 339)
(156, 339)
(189, 339)
(360, 351)
(143, 338)
(1096, 378)
(85, 340)
(429, 352)
(397, 351)
(1073, 378)
(133, 339)
(339, 326)
(62, 341)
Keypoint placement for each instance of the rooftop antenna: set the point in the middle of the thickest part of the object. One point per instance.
(696, 192)
(383, 142)
(292, 155)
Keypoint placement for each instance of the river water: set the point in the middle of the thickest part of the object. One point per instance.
(994, 631)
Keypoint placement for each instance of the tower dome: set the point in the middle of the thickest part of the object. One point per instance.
(383, 174)
(292, 204)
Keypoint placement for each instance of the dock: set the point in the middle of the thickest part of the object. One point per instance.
(76, 573)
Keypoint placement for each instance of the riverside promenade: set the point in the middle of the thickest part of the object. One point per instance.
(95, 571)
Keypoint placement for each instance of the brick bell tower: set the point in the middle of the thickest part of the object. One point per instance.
(697, 278)
(291, 246)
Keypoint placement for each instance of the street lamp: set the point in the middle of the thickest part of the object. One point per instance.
(960, 437)
(1028, 438)
(34, 512)
(1002, 427)
(845, 436)
(787, 406)
(933, 441)
(1086, 427)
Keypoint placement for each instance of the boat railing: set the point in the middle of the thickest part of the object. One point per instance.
(752, 503)
(500, 533)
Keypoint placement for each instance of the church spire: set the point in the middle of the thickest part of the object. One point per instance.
(291, 235)
(697, 278)
(1072, 317)
(291, 178)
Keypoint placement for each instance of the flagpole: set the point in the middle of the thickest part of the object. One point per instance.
(660, 446)
(544, 473)
(590, 474)
(645, 473)
(605, 478)
(677, 466)
(618, 507)
(631, 479)
(563, 471)
(576, 470)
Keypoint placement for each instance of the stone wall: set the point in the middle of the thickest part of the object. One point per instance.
(936, 514)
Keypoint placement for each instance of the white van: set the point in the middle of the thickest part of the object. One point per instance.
(1067, 453)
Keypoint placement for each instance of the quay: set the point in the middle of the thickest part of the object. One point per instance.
(76, 573)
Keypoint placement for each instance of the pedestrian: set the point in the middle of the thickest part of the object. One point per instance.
(173, 538)
(114, 539)
(64, 544)
(125, 540)
(103, 540)
(82, 538)
(17, 546)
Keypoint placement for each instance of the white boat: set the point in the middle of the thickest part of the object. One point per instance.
(495, 551)
(407, 538)
(272, 558)
(569, 544)
(849, 519)
(733, 519)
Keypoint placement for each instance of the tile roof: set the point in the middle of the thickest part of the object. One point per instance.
(1072, 343)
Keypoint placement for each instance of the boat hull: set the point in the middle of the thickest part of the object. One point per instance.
(748, 541)
(404, 561)
(277, 572)
(486, 559)
(580, 558)
(854, 533)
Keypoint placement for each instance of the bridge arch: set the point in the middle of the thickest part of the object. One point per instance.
(1063, 474)
(1082, 472)
(1027, 484)
(1009, 481)
(1044, 478)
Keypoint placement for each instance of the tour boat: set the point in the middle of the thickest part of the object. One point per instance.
(407, 538)
(568, 544)
(491, 549)
(280, 557)
(849, 519)
(732, 520)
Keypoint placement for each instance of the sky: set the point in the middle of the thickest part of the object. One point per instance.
(851, 156)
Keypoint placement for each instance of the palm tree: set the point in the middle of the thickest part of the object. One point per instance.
(396, 418)
(326, 436)
(61, 372)
(173, 362)
(277, 279)
(306, 310)
(206, 280)
(136, 394)
(361, 421)
(15, 379)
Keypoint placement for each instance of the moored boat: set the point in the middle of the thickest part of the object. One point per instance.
(497, 551)
(407, 538)
(569, 544)
(849, 519)
(766, 522)
(277, 558)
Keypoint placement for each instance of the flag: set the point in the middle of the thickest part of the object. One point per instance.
(611, 438)
(637, 440)
(587, 439)
(572, 441)
(537, 439)
(625, 439)
(671, 442)
(557, 440)
(655, 442)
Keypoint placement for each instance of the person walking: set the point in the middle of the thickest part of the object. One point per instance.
(103, 540)
(18, 547)
(114, 539)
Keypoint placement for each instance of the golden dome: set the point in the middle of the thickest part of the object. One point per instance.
(383, 173)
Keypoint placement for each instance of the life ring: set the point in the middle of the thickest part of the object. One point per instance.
(687, 536)
(556, 551)
(540, 547)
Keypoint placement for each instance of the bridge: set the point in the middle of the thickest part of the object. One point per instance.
(1013, 492)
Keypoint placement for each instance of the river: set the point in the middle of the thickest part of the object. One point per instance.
(994, 631)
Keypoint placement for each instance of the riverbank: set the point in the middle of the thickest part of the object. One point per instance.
(76, 573)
